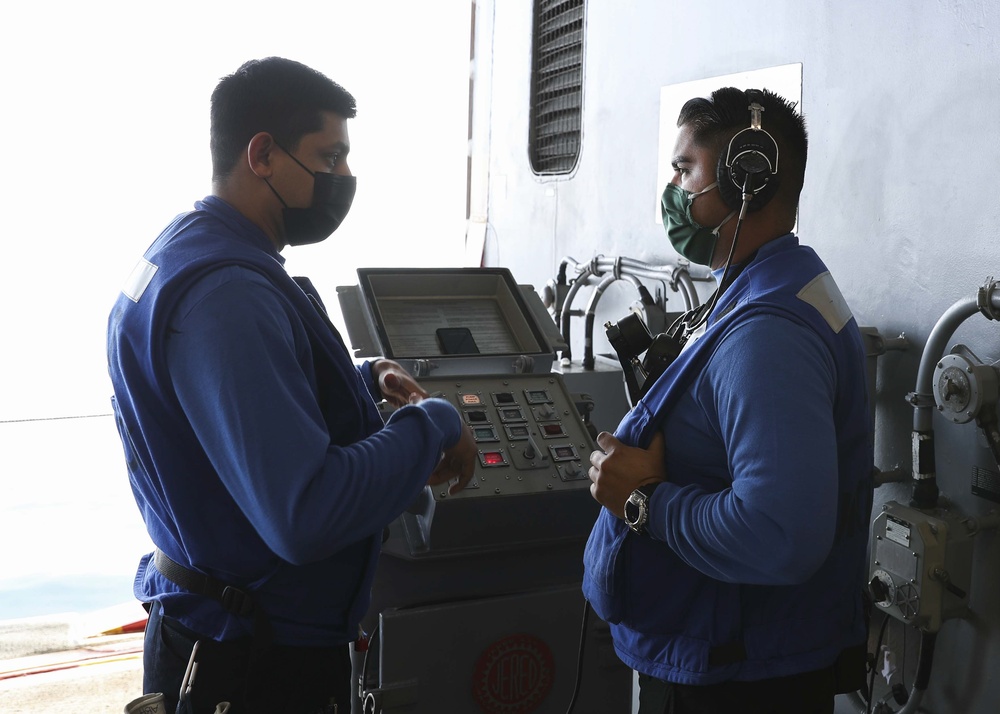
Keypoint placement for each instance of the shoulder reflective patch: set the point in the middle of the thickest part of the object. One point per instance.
(823, 294)
(138, 279)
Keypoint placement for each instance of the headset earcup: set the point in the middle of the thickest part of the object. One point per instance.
(730, 194)
(749, 150)
(731, 185)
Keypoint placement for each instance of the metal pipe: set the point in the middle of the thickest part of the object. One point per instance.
(679, 278)
(990, 521)
(686, 283)
(895, 476)
(567, 306)
(646, 270)
(588, 335)
(933, 349)
(601, 264)
(924, 661)
(987, 301)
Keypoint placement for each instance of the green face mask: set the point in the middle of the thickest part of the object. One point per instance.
(687, 236)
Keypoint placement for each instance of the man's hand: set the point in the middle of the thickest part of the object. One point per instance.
(618, 470)
(396, 384)
(399, 388)
(458, 463)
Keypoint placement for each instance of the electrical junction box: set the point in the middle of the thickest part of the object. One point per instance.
(921, 564)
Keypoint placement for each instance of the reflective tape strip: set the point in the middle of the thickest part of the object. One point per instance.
(139, 279)
(823, 294)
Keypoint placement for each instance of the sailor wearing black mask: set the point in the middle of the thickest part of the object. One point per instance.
(332, 196)
(254, 448)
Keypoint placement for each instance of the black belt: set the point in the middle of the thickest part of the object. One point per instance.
(848, 671)
(232, 599)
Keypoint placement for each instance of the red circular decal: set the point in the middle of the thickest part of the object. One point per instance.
(513, 675)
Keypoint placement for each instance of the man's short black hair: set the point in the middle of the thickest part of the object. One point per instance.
(276, 95)
(715, 120)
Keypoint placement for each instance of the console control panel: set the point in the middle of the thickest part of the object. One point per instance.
(530, 435)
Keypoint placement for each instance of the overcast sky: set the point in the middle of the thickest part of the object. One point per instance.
(105, 124)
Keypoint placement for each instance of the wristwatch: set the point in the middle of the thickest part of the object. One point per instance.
(637, 507)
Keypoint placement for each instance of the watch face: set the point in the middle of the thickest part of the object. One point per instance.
(635, 511)
(631, 511)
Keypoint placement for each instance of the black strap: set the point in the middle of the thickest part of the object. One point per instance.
(235, 601)
(685, 325)
(848, 671)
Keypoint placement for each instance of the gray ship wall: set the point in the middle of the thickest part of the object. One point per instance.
(901, 99)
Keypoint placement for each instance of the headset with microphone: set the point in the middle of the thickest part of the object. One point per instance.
(752, 154)
(747, 174)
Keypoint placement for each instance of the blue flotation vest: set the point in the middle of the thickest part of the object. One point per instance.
(785, 629)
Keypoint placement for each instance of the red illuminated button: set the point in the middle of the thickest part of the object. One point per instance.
(493, 458)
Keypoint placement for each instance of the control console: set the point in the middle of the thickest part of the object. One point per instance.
(530, 482)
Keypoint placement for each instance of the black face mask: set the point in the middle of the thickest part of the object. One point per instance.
(331, 201)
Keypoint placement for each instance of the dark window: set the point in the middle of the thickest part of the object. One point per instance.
(556, 86)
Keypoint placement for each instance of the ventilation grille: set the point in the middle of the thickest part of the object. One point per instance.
(556, 86)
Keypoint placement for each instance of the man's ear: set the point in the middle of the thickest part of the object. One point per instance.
(259, 151)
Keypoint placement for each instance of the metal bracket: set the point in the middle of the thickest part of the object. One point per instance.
(984, 299)
(915, 399)
(755, 119)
